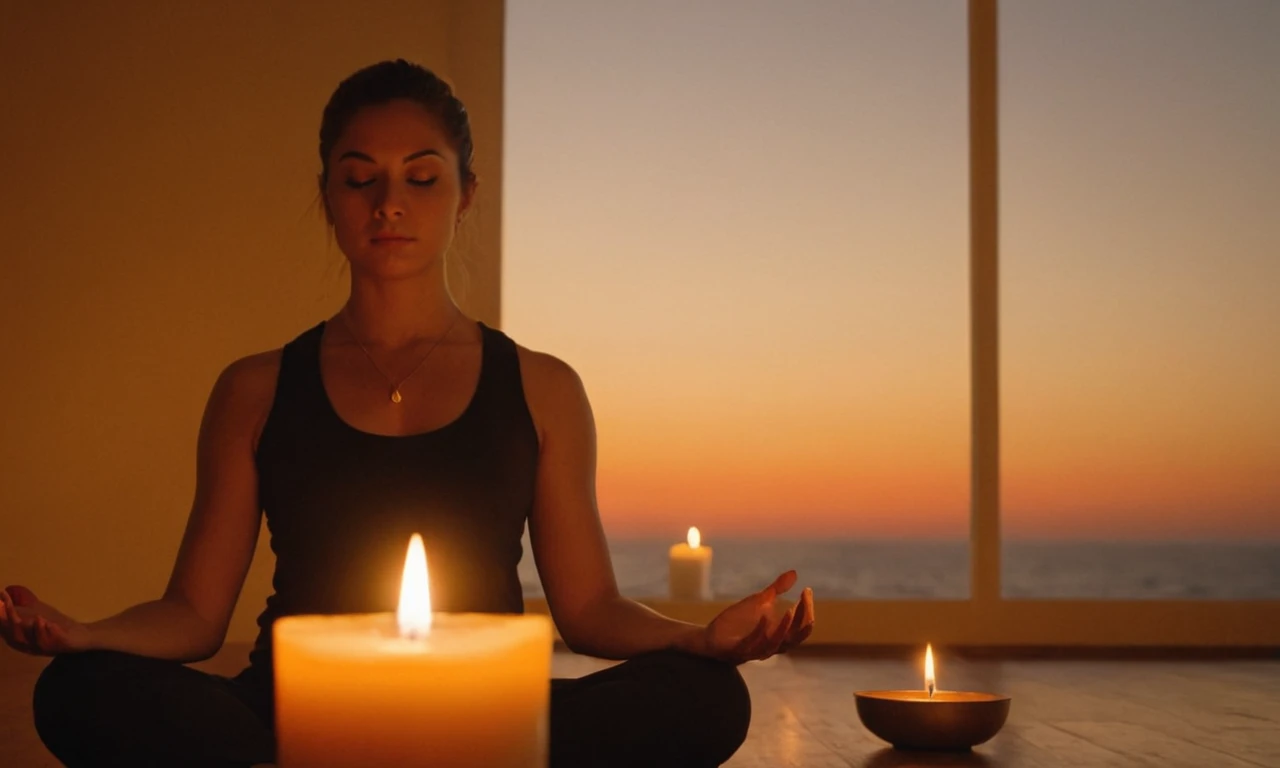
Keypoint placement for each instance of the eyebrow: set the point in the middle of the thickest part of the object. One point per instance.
(362, 156)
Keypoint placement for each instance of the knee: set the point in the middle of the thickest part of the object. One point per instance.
(716, 702)
(67, 695)
(728, 709)
(63, 692)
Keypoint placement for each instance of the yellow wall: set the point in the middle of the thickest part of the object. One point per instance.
(159, 220)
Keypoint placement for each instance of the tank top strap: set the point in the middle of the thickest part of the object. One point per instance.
(500, 389)
(299, 390)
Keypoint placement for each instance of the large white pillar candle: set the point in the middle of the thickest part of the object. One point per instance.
(466, 690)
(689, 574)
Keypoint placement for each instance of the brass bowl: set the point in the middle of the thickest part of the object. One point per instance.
(950, 721)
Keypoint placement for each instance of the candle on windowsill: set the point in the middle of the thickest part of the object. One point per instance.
(689, 571)
(466, 690)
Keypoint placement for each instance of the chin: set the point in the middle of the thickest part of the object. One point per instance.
(392, 265)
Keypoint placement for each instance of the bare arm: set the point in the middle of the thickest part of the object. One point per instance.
(566, 534)
(189, 622)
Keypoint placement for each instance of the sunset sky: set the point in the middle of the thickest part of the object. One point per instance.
(745, 225)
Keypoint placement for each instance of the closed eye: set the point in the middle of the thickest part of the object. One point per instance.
(415, 182)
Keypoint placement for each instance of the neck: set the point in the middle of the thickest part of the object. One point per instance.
(393, 314)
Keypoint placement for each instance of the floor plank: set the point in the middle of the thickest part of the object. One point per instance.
(1065, 714)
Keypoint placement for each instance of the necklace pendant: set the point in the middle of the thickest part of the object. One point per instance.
(395, 395)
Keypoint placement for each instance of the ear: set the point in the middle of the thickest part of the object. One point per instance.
(467, 199)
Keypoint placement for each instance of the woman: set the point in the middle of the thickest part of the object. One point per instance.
(397, 415)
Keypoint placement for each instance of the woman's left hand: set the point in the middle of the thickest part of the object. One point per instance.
(747, 629)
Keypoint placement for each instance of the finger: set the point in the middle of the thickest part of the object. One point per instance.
(787, 621)
(28, 625)
(796, 638)
(781, 584)
(791, 630)
(804, 610)
(762, 648)
(6, 625)
(765, 642)
(21, 595)
(794, 618)
(802, 624)
(12, 625)
(752, 639)
(778, 636)
(51, 637)
(10, 607)
(799, 638)
(22, 633)
(39, 636)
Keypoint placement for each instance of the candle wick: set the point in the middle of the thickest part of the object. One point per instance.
(932, 687)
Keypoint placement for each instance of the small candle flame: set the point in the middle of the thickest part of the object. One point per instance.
(414, 613)
(930, 684)
(695, 538)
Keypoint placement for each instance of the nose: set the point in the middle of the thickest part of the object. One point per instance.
(389, 204)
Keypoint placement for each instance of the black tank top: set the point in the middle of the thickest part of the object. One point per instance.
(341, 504)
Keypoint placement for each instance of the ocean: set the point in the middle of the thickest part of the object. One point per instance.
(905, 570)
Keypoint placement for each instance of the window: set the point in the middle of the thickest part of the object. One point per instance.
(745, 225)
(1140, 259)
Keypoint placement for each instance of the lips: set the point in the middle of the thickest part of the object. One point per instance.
(391, 239)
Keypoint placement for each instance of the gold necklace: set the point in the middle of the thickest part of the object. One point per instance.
(395, 388)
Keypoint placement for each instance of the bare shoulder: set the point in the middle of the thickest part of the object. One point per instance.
(245, 390)
(552, 389)
(252, 377)
(543, 370)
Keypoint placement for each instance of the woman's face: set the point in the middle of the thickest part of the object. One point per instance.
(393, 194)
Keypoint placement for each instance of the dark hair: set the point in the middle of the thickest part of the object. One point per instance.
(387, 80)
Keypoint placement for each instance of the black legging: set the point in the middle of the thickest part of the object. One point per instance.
(104, 708)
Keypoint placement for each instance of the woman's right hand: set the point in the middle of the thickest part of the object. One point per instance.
(38, 628)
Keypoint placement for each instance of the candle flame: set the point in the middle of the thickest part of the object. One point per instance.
(414, 614)
(930, 684)
(695, 538)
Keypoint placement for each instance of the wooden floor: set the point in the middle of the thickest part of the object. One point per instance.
(1206, 714)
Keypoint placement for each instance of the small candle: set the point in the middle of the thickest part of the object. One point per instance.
(690, 569)
(464, 690)
(930, 718)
